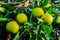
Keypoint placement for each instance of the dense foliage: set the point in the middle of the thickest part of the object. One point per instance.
(30, 20)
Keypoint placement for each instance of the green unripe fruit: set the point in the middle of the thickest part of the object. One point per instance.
(37, 12)
(21, 18)
(12, 27)
(48, 18)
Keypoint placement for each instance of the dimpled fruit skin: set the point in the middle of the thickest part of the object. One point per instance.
(21, 18)
(37, 12)
(58, 19)
(12, 27)
(48, 18)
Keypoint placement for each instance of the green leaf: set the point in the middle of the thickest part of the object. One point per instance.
(31, 6)
(16, 36)
(29, 23)
(31, 38)
(46, 2)
(59, 37)
(59, 1)
(3, 19)
(17, 12)
(42, 2)
(9, 7)
(2, 9)
(37, 31)
(50, 29)
(50, 9)
(1, 15)
(46, 28)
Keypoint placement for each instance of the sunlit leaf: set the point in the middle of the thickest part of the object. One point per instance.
(3, 19)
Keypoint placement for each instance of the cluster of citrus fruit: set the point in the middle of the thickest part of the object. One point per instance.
(37, 12)
(13, 26)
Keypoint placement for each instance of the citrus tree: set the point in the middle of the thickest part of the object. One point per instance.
(30, 20)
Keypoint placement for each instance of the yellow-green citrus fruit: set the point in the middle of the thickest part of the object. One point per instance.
(37, 12)
(58, 19)
(48, 5)
(48, 18)
(21, 18)
(12, 27)
(2, 9)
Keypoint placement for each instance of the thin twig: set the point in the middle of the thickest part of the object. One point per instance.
(10, 12)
